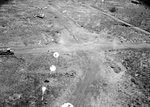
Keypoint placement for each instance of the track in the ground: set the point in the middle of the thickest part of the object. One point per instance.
(92, 65)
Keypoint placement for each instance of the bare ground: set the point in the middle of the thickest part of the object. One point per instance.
(104, 53)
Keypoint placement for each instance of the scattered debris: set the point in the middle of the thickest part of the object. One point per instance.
(113, 9)
(40, 16)
(45, 7)
(64, 11)
(52, 68)
(122, 21)
(25, 72)
(46, 81)
(15, 97)
(136, 2)
(52, 40)
(67, 105)
(6, 51)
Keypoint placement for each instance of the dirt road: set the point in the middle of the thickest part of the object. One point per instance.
(94, 36)
(92, 67)
(78, 47)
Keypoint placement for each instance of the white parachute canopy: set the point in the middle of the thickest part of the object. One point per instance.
(67, 105)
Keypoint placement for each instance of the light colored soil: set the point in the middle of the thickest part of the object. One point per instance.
(93, 41)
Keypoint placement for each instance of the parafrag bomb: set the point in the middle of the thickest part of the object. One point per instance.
(52, 68)
(43, 89)
(67, 105)
(56, 54)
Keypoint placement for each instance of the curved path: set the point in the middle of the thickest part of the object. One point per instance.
(92, 64)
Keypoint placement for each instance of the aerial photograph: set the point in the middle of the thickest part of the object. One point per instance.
(74, 53)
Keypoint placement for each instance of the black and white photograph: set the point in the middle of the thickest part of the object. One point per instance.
(74, 53)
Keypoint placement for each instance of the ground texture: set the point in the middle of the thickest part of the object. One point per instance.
(104, 48)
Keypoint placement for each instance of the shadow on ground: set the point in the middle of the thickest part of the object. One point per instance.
(145, 2)
(2, 2)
